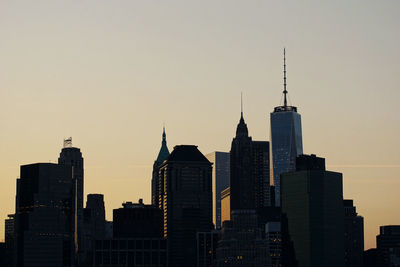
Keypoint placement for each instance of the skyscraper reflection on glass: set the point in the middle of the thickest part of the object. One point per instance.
(286, 139)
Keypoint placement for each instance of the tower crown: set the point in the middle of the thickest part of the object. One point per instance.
(164, 152)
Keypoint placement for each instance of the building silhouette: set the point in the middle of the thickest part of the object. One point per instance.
(220, 181)
(94, 223)
(226, 204)
(9, 237)
(72, 157)
(312, 202)
(353, 235)
(155, 180)
(241, 242)
(242, 184)
(44, 216)
(186, 179)
(388, 245)
(286, 139)
(137, 220)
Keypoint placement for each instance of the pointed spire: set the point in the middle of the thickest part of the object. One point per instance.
(284, 78)
(241, 105)
(164, 153)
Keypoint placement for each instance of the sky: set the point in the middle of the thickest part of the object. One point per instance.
(110, 73)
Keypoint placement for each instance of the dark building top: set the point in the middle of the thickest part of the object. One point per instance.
(241, 130)
(137, 220)
(310, 163)
(187, 153)
(164, 152)
(389, 230)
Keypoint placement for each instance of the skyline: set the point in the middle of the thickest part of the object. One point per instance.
(111, 83)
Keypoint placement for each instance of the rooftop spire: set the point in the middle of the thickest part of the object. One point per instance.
(164, 153)
(241, 104)
(284, 78)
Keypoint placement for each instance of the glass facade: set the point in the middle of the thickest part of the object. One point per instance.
(286, 141)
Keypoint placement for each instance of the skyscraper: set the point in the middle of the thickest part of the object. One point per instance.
(72, 157)
(242, 179)
(186, 178)
(286, 138)
(220, 181)
(312, 202)
(155, 180)
(388, 245)
(249, 171)
(43, 216)
(353, 235)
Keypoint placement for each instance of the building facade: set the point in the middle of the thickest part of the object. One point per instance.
(72, 157)
(137, 220)
(312, 201)
(186, 202)
(220, 181)
(388, 245)
(353, 235)
(44, 216)
(155, 180)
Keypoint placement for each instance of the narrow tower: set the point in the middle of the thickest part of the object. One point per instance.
(286, 137)
(155, 181)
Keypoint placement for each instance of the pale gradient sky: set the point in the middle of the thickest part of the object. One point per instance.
(108, 73)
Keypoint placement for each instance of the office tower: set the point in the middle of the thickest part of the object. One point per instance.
(242, 179)
(43, 216)
(241, 242)
(220, 181)
(353, 235)
(94, 225)
(95, 208)
(226, 204)
(206, 248)
(249, 171)
(72, 157)
(261, 173)
(155, 180)
(187, 202)
(273, 237)
(388, 245)
(286, 139)
(312, 202)
(9, 240)
(137, 220)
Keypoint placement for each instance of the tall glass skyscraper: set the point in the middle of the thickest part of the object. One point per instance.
(286, 138)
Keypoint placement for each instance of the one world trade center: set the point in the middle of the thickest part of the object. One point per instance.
(286, 138)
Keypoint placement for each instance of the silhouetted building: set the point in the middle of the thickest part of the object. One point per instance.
(3, 254)
(241, 242)
(94, 222)
(261, 173)
(226, 204)
(72, 157)
(370, 258)
(43, 216)
(137, 220)
(155, 180)
(206, 248)
(220, 181)
(242, 182)
(9, 240)
(353, 235)
(312, 201)
(388, 245)
(131, 252)
(286, 139)
(249, 171)
(274, 238)
(187, 202)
